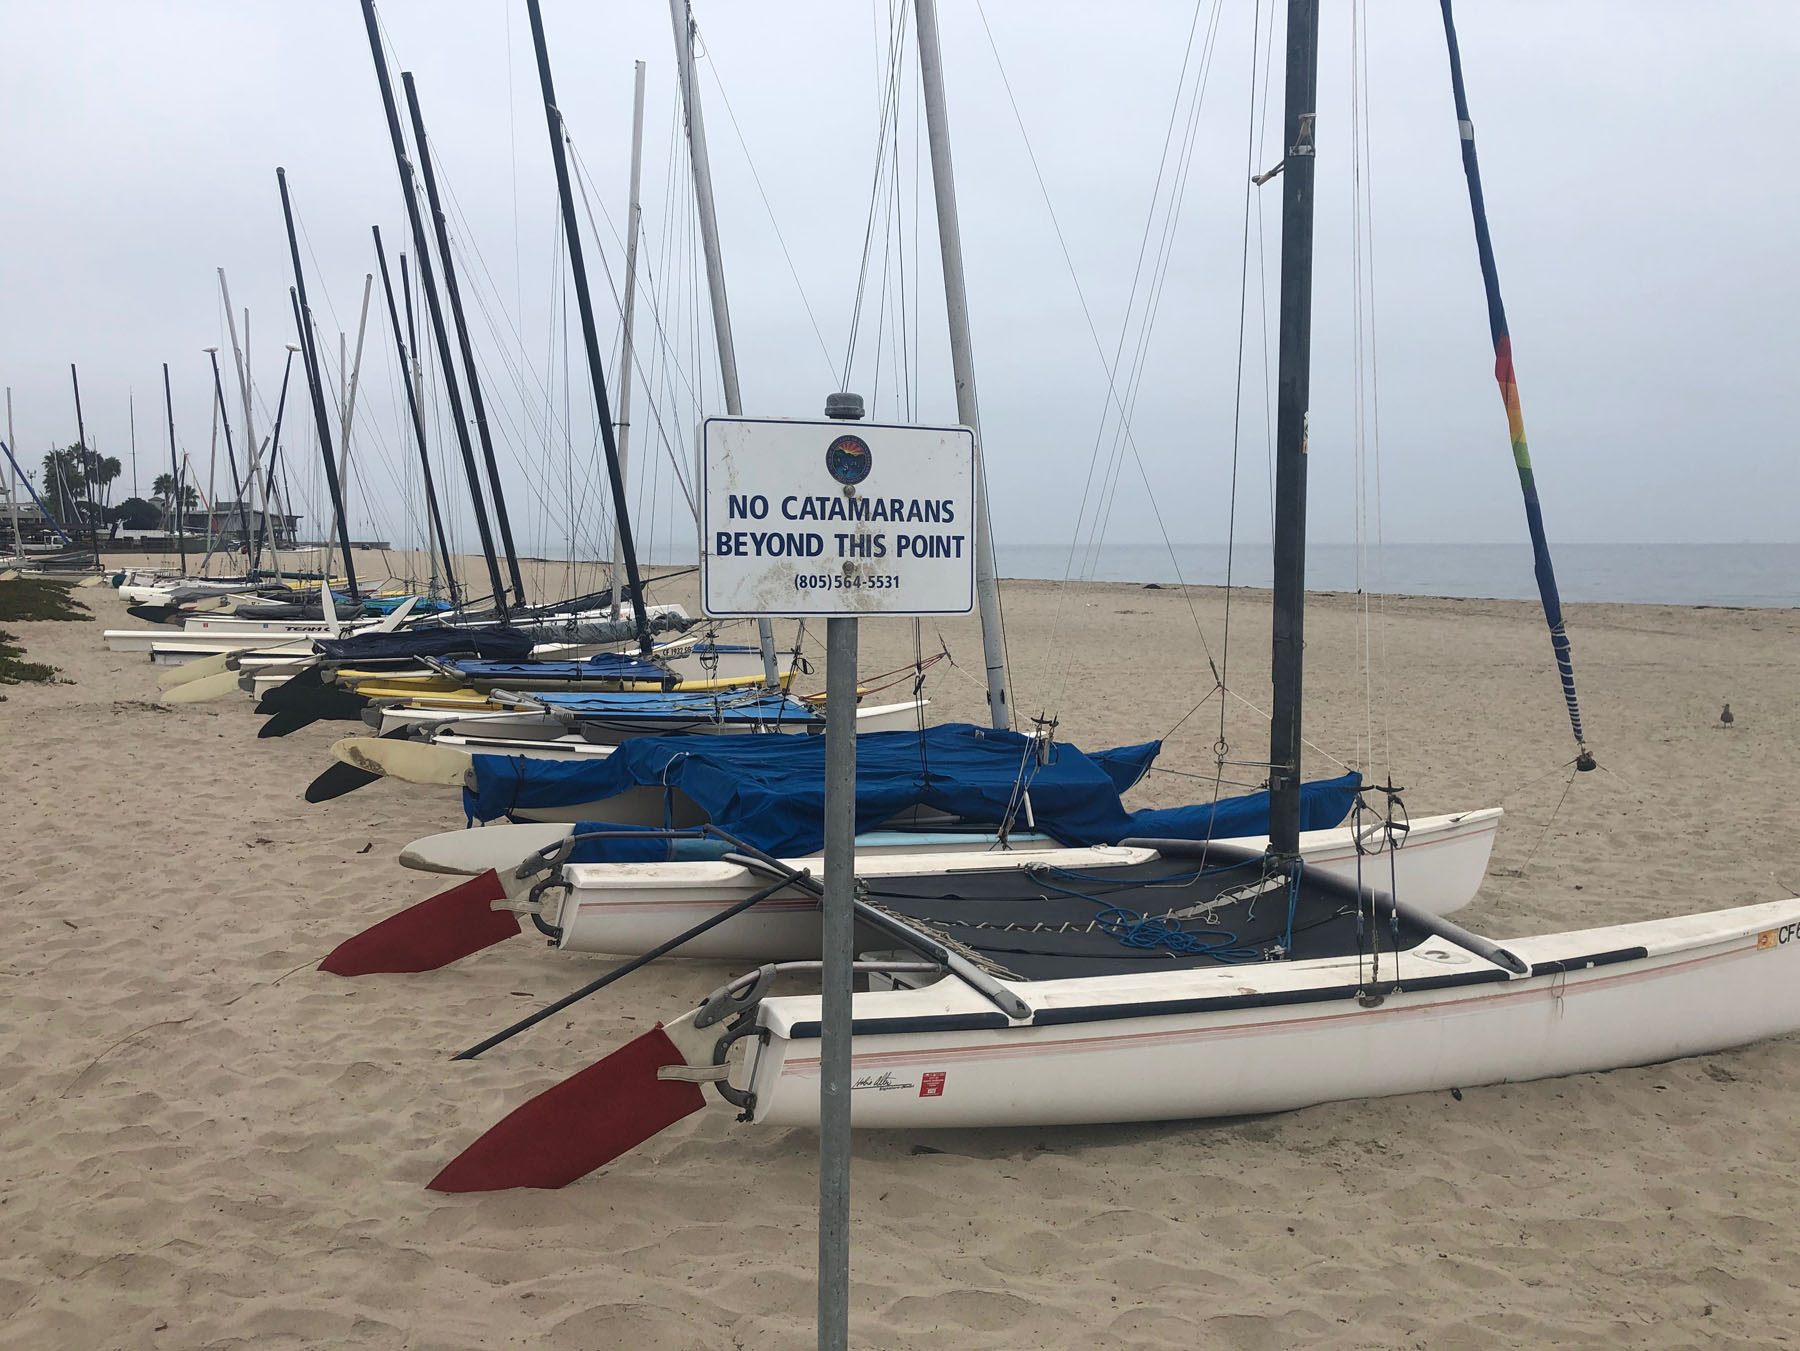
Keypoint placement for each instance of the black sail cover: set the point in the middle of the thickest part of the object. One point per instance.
(493, 643)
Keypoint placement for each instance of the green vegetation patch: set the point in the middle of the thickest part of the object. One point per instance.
(12, 670)
(27, 598)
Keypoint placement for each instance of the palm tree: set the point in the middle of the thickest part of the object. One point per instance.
(66, 474)
(163, 492)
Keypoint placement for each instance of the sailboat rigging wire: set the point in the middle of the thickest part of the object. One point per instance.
(649, 291)
(890, 96)
(1366, 397)
(700, 53)
(1574, 768)
(1152, 310)
(1222, 746)
(1110, 367)
(681, 473)
(549, 495)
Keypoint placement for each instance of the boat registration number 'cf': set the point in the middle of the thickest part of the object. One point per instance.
(1770, 938)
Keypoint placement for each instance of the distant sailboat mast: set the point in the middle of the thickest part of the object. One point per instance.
(633, 220)
(435, 522)
(453, 294)
(681, 16)
(434, 309)
(590, 335)
(177, 485)
(12, 492)
(315, 382)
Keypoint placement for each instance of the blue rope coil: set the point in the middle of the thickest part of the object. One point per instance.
(1133, 930)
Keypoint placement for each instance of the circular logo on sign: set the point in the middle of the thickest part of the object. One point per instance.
(848, 459)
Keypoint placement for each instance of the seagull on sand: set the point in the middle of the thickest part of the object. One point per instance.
(1725, 718)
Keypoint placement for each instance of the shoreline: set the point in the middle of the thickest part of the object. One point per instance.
(654, 571)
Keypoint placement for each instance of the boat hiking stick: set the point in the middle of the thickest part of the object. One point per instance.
(221, 661)
(893, 926)
(660, 950)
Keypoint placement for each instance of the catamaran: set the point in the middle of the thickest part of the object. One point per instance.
(1211, 980)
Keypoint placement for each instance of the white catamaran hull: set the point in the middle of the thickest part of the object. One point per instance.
(1271, 1037)
(629, 908)
(466, 853)
(538, 736)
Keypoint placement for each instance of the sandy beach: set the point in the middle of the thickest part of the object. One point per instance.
(205, 1143)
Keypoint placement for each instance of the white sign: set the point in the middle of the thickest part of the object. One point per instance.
(835, 518)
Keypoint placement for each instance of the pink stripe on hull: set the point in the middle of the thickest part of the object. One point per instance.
(808, 1066)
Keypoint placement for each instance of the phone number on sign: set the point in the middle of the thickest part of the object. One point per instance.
(834, 581)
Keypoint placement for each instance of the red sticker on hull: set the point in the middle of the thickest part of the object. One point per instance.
(931, 1084)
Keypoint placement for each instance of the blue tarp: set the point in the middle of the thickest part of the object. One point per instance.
(769, 790)
(1324, 803)
(734, 706)
(500, 644)
(1126, 765)
(601, 666)
(422, 605)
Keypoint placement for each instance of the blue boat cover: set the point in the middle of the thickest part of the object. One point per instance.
(733, 706)
(422, 605)
(1324, 803)
(500, 644)
(1126, 765)
(601, 666)
(770, 790)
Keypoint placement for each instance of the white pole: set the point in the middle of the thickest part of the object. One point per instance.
(633, 216)
(682, 17)
(212, 487)
(962, 357)
(255, 480)
(348, 408)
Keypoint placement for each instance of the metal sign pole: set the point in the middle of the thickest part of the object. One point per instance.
(838, 519)
(836, 984)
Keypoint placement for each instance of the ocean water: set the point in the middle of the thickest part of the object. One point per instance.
(1759, 576)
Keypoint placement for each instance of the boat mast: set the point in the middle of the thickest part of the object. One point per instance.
(418, 425)
(87, 466)
(1509, 396)
(347, 407)
(441, 226)
(428, 284)
(175, 483)
(230, 454)
(1293, 383)
(962, 353)
(240, 356)
(589, 333)
(415, 376)
(274, 449)
(315, 384)
(12, 492)
(683, 19)
(633, 219)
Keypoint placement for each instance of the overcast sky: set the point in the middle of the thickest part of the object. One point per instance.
(1635, 154)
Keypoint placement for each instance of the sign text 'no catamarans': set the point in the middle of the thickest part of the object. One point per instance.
(836, 518)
